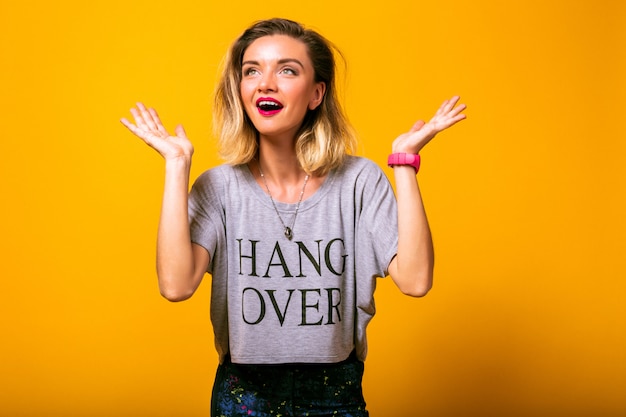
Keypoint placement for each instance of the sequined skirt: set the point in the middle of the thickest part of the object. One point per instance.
(289, 390)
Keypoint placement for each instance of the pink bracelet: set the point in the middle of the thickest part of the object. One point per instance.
(405, 159)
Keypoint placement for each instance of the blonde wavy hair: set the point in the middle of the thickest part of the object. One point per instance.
(325, 137)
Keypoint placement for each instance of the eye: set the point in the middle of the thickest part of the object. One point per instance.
(250, 71)
(289, 71)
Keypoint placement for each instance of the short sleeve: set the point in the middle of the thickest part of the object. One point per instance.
(377, 231)
(206, 212)
(376, 244)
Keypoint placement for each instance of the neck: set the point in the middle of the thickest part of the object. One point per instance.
(282, 171)
(280, 164)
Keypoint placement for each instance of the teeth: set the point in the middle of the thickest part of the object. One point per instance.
(267, 103)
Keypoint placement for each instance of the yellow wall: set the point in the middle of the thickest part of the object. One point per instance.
(526, 201)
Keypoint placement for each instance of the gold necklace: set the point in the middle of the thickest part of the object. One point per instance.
(288, 230)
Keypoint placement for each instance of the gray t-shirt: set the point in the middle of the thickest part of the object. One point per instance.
(307, 300)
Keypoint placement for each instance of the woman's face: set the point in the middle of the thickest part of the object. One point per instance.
(278, 85)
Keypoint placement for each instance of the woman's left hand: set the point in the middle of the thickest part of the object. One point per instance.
(421, 133)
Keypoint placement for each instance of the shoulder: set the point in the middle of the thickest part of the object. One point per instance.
(214, 183)
(361, 171)
(358, 165)
(221, 174)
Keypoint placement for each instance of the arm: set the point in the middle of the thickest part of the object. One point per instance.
(180, 263)
(412, 268)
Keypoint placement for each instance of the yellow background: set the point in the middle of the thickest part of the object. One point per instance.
(526, 202)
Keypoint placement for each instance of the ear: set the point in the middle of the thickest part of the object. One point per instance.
(318, 95)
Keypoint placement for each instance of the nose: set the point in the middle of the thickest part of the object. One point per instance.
(267, 82)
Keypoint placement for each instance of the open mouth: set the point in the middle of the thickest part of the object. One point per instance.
(268, 106)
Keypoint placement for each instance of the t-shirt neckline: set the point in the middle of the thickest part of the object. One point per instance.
(306, 204)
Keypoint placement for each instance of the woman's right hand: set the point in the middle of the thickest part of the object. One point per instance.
(149, 128)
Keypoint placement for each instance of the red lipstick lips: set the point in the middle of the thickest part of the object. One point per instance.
(268, 106)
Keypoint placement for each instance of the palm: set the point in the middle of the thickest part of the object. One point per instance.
(149, 128)
(421, 133)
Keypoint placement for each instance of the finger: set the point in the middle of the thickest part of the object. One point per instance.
(453, 100)
(127, 124)
(147, 117)
(448, 111)
(157, 121)
(139, 121)
(453, 112)
(449, 121)
(442, 109)
(180, 131)
(447, 106)
(452, 103)
(458, 118)
(457, 110)
(134, 129)
(417, 126)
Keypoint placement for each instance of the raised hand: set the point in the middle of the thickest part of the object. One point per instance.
(149, 128)
(421, 133)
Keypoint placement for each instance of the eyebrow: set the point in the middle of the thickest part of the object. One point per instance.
(280, 62)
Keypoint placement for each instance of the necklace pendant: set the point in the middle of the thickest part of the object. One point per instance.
(288, 233)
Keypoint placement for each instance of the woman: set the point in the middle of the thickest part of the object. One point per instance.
(293, 230)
